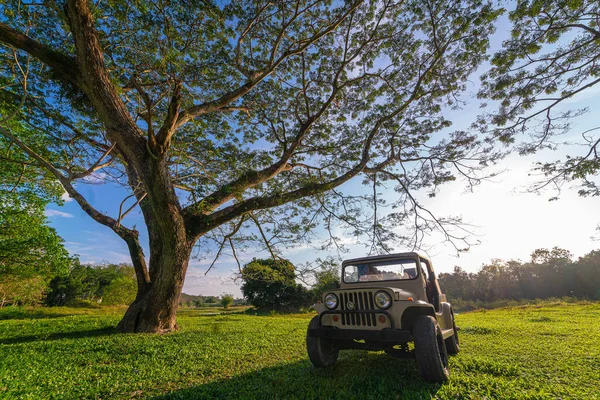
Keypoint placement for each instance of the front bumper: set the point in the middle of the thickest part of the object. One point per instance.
(384, 335)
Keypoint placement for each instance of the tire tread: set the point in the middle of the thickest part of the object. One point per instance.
(321, 352)
(427, 350)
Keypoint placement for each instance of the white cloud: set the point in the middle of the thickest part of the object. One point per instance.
(66, 198)
(212, 284)
(88, 261)
(56, 213)
(119, 257)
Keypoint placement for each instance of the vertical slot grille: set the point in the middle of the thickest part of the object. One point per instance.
(362, 301)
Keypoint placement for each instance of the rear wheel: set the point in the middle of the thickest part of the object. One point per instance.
(452, 345)
(321, 352)
(430, 349)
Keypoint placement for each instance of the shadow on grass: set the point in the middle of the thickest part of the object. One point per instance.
(43, 312)
(18, 314)
(362, 376)
(208, 312)
(5, 316)
(61, 335)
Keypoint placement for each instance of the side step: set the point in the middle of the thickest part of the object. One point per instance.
(446, 333)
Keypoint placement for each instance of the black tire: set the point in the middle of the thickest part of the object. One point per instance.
(452, 344)
(430, 349)
(321, 352)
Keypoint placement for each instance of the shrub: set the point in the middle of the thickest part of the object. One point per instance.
(19, 291)
(271, 284)
(63, 290)
(121, 291)
(226, 300)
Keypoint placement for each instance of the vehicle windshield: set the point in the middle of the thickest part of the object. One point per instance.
(394, 270)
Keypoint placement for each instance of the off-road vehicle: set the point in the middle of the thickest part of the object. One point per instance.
(385, 302)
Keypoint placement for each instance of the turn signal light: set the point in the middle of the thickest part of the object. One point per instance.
(336, 318)
(382, 319)
(410, 299)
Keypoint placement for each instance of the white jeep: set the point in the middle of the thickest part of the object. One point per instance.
(384, 303)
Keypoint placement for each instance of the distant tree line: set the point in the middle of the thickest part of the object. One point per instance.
(225, 300)
(189, 300)
(270, 284)
(549, 273)
(109, 284)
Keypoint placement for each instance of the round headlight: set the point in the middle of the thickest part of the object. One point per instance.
(331, 301)
(383, 300)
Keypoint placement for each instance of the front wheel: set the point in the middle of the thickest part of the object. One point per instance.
(452, 342)
(321, 352)
(430, 349)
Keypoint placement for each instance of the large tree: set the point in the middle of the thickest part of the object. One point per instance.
(552, 55)
(220, 118)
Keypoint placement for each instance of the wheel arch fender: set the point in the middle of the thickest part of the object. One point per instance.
(411, 313)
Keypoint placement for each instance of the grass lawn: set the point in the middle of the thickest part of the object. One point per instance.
(532, 352)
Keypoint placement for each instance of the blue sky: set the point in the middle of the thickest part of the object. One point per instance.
(509, 222)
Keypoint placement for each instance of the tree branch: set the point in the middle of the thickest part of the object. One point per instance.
(97, 84)
(594, 32)
(199, 224)
(65, 65)
(96, 166)
(262, 234)
(74, 194)
(253, 178)
(163, 137)
(232, 96)
(226, 238)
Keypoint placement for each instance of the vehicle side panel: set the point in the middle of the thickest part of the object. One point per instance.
(444, 317)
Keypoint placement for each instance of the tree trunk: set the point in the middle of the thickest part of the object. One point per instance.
(155, 308)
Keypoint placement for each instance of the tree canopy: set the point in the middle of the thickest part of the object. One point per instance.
(551, 56)
(28, 246)
(238, 122)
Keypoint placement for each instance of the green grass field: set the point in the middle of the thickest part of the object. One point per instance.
(533, 352)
